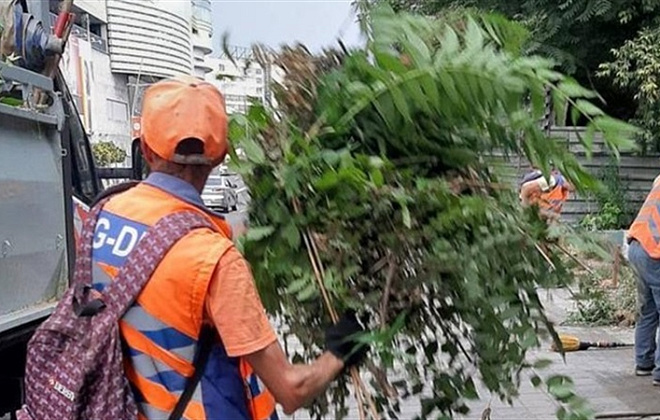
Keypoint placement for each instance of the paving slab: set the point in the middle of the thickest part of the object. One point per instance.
(604, 377)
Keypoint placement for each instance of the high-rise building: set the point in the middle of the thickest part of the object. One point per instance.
(241, 80)
(202, 36)
(150, 37)
(119, 47)
(101, 95)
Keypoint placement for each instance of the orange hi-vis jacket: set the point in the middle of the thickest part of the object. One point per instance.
(644, 228)
(554, 199)
(161, 329)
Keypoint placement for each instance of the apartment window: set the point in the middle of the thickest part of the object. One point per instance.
(260, 90)
(221, 67)
(259, 71)
(260, 80)
(117, 110)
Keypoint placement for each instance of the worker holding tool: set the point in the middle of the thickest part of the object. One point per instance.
(202, 280)
(644, 255)
(549, 194)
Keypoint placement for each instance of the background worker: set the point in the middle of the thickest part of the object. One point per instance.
(549, 194)
(644, 256)
(202, 280)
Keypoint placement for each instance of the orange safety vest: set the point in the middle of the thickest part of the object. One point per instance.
(554, 199)
(161, 329)
(645, 227)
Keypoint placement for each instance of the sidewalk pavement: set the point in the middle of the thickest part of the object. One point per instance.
(604, 377)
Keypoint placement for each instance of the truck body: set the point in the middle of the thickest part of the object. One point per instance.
(47, 180)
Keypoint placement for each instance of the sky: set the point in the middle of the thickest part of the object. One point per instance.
(315, 23)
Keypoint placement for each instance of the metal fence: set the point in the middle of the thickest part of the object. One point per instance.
(636, 172)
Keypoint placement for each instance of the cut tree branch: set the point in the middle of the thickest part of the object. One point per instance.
(389, 279)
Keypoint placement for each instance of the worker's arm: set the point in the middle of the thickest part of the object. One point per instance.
(234, 307)
(294, 385)
(530, 192)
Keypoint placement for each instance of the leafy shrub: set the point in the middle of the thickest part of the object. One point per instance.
(376, 160)
(614, 211)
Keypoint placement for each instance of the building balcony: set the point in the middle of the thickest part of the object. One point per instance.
(202, 67)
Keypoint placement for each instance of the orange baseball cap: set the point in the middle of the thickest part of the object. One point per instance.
(182, 108)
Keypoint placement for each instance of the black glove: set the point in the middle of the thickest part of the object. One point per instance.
(341, 340)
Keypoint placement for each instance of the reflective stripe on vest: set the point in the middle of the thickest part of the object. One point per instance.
(160, 330)
(262, 403)
(645, 228)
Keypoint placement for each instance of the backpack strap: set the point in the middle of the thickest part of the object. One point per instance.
(120, 294)
(206, 339)
(82, 274)
(136, 271)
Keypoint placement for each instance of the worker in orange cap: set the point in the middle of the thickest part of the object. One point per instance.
(202, 280)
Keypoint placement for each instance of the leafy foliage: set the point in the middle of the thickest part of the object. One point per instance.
(636, 68)
(614, 209)
(107, 152)
(385, 152)
(578, 34)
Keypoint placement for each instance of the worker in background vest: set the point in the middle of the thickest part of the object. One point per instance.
(202, 279)
(549, 194)
(644, 255)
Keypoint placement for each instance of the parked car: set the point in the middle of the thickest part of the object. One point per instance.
(220, 194)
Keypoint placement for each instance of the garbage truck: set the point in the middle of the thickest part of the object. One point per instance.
(47, 180)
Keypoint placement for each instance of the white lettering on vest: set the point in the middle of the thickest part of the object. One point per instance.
(126, 241)
(102, 226)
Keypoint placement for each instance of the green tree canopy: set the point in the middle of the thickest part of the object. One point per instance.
(578, 34)
(636, 68)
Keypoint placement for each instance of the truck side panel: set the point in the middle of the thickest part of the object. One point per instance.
(33, 248)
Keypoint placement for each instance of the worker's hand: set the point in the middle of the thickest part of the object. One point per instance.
(341, 340)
